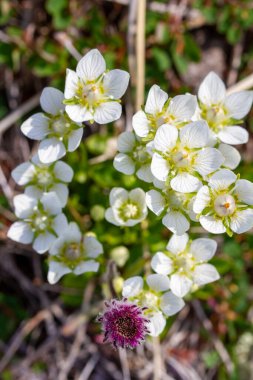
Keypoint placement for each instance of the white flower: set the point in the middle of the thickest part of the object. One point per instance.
(225, 205)
(41, 220)
(222, 112)
(159, 110)
(175, 206)
(72, 252)
(181, 158)
(185, 263)
(159, 306)
(42, 178)
(57, 132)
(92, 93)
(127, 208)
(231, 155)
(133, 156)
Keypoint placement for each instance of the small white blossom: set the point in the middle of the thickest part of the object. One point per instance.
(225, 205)
(41, 221)
(223, 112)
(92, 93)
(159, 306)
(73, 252)
(181, 158)
(185, 263)
(159, 110)
(127, 208)
(57, 132)
(42, 178)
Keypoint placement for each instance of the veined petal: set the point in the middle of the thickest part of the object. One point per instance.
(115, 83)
(158, 282)
(92, 246)
(185, 183)
(56, 271)
(239, 104)
(234, 135)
(74, 139)
(72, 233)
(36, 127)
(176, 222)
(244, 191)
(156, 99)
(138, 196)
(203, 249)
(140, 124)
(110, 217)
(231, 155)
(159, 167)
(155, 201)
(156, 325)
(62, 192)
(91, 66)
(177, 244)
(195, 134)
(212, 90)
(161, 264)
(60, 224)
(242, 221)
(57, 245)
(86, 266)
(132, 286)
(180, 284)
(50, 150)
(51, 100)
(20, 232)
(209, 223)
(23, 173)
(118, 193)
(107, 112)
(222, 179)
(78, 113)
(204, 274)
(43, 242)
(51, 203)
(63, 171)
(145, 174)
(183, 107)
(124, 164)
(208, 160)
(71, 84)
(165, 138)
(171, 304)
(24, 205)
(126, 142)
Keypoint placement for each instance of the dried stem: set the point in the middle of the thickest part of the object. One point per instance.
(140, 53)
(124, 364)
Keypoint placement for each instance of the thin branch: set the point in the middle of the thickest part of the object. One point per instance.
(124, 364)
(140, 53)
(158, 366)
(244, 84)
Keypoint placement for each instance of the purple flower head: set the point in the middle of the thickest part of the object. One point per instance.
(123, 323)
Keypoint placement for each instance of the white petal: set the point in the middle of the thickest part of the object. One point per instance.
(78, 113)
(91, 66)
(43, 242)
(87, 266)
(126, 142)
(24, 205)
(244, 191)
(51, 150)
(115, 83)
(51, 100)
(158, 282)
(57, 246)
(202, 200)
(23, 173)
(208, 160)
(140, 124)
(60, 224)
(185, 183)
(20, 232)
(231, 155)
(51, 203)
(132, 286)
(107, 112)
(36, 127)
(138, 196)
(183, 107)
(155, 201)
(110, 217)
(212, 90)
(124, 164)
(56, 271)
(74, 139)
(222, 179)
(165, 138)
(242, 221)
(156, 325)
(209, 223)
(203, 249)
(161, 263)
(195, 135)
(204, 274)
(145, 174)
(62, 192)
(71, 84)
(118, 193)
(180, 284)
(176, 222)
(239, 104)
(159, 167)
(63, 171)
(156, 99)
(234, 135)
(72, 233)
(33, 192)
(92, 246)
(171, 304)
(177, 244)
